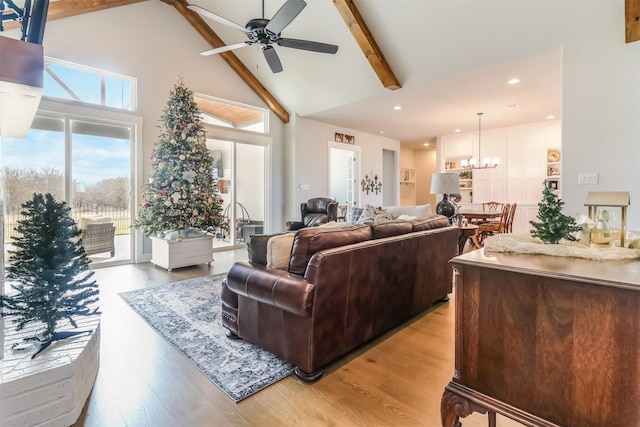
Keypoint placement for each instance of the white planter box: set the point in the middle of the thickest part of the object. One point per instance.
(172, 254)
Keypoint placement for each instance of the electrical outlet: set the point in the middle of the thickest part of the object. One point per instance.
(587, 178)
(304, 186)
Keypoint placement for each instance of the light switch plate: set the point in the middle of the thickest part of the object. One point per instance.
(587, 178)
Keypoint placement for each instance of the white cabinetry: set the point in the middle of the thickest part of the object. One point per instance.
(522, 172)
(457, 146)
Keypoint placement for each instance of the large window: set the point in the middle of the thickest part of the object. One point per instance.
(221, 112)
(72, 82)
(81, 153)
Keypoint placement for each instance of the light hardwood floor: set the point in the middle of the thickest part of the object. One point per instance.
(395, 381)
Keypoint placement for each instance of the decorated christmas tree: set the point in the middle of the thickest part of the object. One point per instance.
(180, 194)
(49, 270)
(553, 225)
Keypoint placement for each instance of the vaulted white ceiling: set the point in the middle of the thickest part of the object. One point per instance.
(452, 57)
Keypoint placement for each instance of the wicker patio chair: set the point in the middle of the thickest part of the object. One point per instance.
(98, 238)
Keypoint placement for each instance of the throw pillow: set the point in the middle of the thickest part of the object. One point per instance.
(355, 215)
(279, 251)
(373, 214)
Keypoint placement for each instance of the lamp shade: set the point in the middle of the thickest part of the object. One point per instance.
(445, 183)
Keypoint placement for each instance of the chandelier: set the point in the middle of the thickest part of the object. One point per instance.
(480, 163)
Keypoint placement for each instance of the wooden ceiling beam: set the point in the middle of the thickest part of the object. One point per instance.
(632, 20)
(66, 8)
(367, 43)
(215, 41)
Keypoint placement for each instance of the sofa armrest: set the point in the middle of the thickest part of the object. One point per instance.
(275, 287)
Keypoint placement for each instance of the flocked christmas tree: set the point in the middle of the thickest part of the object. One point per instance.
(49, 270)
(180, 194)
(553, 225)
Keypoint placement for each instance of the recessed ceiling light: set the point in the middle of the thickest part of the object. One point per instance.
(426, 144)
(458, 130)
(380, 132)
(551, 116)
(397, 107)
(513, 81)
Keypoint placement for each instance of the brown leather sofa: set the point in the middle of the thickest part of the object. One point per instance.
(343, 287)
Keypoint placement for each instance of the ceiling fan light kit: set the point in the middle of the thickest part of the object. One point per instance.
(266, 33)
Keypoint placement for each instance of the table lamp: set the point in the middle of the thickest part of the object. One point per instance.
(445, 184)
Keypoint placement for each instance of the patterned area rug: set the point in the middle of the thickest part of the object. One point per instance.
(187, 315)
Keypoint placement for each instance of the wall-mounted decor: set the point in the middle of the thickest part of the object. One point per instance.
(371, 183)
(341, 137)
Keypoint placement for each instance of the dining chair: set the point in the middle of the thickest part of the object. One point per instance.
(512, 214)
(492, 207)
(488, 207)
(342, 213)
(492, 227)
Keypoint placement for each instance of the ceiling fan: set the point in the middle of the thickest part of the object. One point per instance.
(266, 33)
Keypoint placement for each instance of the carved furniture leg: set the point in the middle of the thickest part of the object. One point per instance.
(454, 407)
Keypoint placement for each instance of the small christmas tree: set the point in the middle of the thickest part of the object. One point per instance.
(180, 193)
(49, 270)
(554, 225)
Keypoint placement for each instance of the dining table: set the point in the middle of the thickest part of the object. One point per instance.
(481, 216)
(478, 218)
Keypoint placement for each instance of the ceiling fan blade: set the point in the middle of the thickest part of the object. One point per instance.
(285, 15)
(308, 45)
(217, 18)
(272, 59)
(224, 48)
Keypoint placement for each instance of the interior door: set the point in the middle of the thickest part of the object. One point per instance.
(344, 174)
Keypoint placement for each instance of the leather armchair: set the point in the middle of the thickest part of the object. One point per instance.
(314, 212)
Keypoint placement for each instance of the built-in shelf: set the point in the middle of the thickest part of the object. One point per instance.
(407, 176)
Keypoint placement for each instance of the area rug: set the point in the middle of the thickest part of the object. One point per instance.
(187, 315)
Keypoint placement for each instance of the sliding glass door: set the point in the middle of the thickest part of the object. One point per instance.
(86, 163)
(239, 174)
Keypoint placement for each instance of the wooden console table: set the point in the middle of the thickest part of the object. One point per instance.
(546, 341)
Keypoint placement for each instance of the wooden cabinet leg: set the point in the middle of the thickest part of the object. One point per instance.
(452, 407)
(492, 418)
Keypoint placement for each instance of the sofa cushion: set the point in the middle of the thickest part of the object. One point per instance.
(416, 210)
(390, 228)
(430, 222)
(85, 220)
(279, 250)
(308, 241)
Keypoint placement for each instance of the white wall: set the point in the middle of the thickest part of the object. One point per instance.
(150, 41)
(601, 117)
(311, 160)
